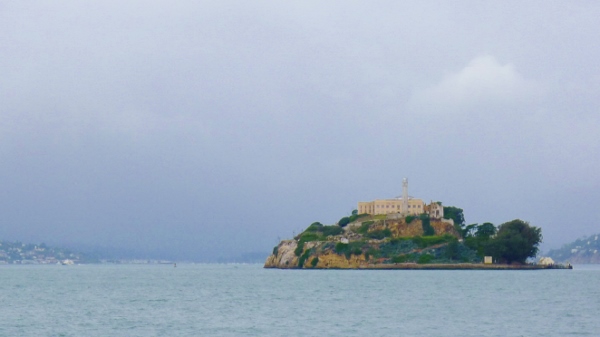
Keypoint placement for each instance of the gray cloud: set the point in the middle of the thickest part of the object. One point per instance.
(205, 130)
(482, 84)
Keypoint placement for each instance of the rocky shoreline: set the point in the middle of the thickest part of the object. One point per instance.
(457, 266)
(432, 266)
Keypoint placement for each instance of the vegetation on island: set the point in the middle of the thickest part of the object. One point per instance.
(377, 239)
(513, 241)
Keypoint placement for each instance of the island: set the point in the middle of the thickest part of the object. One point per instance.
(406, 233)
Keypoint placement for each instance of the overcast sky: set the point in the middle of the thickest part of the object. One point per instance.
(209, 129)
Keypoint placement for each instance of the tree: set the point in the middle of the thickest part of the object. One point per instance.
(344, 221)
(452, 251)
(314, 227)
(426, 224)
(515, 241)
(477, 236)
(485, 231)
(469, 231)
(456, 214)
(355, 212)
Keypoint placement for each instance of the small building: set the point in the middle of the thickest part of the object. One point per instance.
(487, 260)
(435, 210)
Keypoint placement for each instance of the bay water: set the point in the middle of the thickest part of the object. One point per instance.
(247, 300)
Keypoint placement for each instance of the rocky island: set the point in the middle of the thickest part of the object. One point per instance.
(405, 233)
(384, 242)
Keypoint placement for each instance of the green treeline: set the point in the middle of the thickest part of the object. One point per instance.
(512, 241)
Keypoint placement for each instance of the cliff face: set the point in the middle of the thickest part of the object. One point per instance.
(400, 228)
(285, 257)
(334, 261)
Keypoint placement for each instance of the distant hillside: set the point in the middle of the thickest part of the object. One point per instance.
(581, 251)
(21, 253)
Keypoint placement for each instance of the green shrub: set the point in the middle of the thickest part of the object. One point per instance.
(379, 234)
(354, 251)
(303, 258)
(364, 227)
(425, 222)
(275, 250)
(309, 236)
(318, 232)
(331, 230)
(410, 218)
(314, 227)
(372, 252)
(396, 246)
(425, 258)
(300, 248)
(452, 251)
(399, 239)
(348, 249)
(399, 258)
(426, 241)
(476, 244)
(314, 262)
(341, 247)
(355, 217)
(344, 221)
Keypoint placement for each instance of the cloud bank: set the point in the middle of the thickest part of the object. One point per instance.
(483, 83)
(201, 130)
